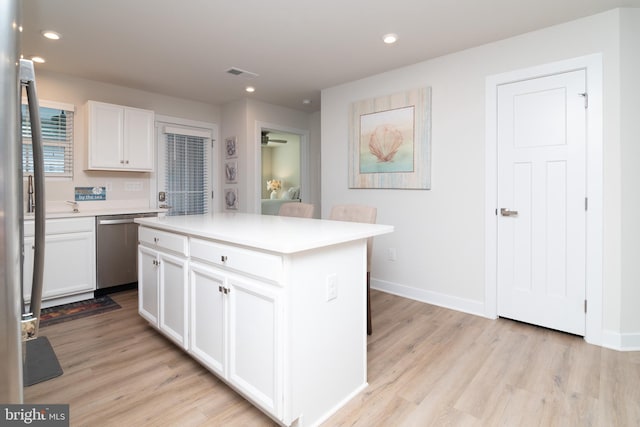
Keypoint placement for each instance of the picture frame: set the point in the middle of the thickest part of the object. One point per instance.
(231, 172)
(390, 141)
(231, 198)
(231, 147)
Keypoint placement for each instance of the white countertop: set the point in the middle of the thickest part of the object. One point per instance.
(268, 232)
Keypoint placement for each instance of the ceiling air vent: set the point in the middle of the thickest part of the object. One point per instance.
(242, 73)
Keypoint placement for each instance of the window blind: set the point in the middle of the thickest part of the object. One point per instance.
(57, 138)
(186, 174)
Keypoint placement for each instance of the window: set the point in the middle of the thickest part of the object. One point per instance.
(56, 121)
(186, 182)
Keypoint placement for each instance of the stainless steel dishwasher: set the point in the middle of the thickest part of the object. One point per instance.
(116, 250)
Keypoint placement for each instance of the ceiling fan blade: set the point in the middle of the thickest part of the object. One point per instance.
(265, 139)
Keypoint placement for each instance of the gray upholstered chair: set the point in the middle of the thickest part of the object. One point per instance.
(359, 213)
(302, 210)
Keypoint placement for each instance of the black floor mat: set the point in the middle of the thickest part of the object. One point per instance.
(41, 363)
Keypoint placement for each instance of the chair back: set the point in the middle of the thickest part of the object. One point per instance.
(302, 210)
(356, 213)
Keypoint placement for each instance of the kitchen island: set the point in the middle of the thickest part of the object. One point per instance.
(274, 306)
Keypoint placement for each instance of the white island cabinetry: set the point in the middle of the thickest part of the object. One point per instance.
(235, 320)
(277, 307)
(162, 282)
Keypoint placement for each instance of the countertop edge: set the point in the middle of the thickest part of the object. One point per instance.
(340, 232)
(94, 213)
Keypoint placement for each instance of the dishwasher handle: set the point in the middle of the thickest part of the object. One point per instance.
(115, 221)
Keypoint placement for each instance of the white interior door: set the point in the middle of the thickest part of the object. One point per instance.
(541, 198)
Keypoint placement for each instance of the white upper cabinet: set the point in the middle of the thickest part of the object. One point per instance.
(120, 138)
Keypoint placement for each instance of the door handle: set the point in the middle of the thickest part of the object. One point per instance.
(508, 212)
(115, 221)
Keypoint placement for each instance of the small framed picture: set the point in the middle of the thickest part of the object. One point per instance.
(231, 198)
(231, 149)
(231, 172)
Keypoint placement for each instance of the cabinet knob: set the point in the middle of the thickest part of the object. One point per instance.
(122, 162)
(126, 162)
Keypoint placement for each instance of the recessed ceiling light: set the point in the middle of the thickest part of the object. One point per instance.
(306, 101)
(390, 38)
(51, 35)
(250, 89)
(38, 59)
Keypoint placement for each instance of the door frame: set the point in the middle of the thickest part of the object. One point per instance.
(594, 177)
(215, 203)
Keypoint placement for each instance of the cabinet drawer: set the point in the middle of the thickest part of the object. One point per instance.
(164, 240)
(61, 226)
(246, 261)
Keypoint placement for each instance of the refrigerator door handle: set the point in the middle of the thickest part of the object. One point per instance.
(27, 79)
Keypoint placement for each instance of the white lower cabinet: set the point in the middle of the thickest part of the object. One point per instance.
(69, 262)
(208, 318)
(162, 287)
(148, 284)
(236, 332)
(262, 321)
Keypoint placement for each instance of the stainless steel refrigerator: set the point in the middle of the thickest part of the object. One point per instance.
(17, 321)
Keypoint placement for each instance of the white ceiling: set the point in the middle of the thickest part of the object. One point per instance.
(297, 47)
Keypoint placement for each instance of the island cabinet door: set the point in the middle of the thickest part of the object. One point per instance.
(173, 286)
(148, 284)
(208, 323)
(256, 341)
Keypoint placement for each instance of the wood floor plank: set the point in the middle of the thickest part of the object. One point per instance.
(428, 366)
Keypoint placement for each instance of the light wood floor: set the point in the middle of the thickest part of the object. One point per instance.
(427, 366)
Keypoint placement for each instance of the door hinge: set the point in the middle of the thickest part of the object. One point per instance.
(585, 95)
(586, 203)
(212, 194)
(585, 306)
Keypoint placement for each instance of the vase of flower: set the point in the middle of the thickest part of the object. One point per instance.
(273, 185)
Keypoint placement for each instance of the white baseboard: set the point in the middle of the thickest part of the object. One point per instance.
(610, 339)
(447, 301)
(621, 342)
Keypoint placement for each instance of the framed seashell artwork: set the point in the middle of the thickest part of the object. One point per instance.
(390, 141)
(230, 147)
(231, 172)
(231, 198)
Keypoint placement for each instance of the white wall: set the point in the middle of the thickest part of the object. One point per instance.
(630, 155)
(241, 119)
(439, 234)
(71, 90)
(315, 163)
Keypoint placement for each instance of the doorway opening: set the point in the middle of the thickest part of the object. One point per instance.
(282, 167)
